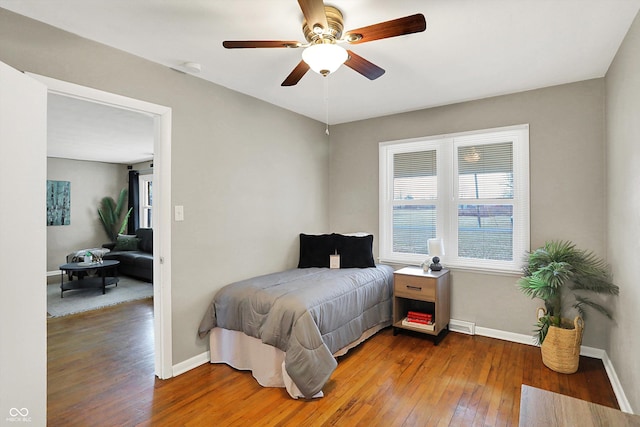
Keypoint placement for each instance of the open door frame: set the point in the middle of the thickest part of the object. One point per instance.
(161, 211)
(23, 300)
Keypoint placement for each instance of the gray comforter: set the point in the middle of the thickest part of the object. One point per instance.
(308, 313)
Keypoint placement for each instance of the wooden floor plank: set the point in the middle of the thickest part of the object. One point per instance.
(101, 372)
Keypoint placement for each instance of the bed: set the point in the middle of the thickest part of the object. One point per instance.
(288, 327)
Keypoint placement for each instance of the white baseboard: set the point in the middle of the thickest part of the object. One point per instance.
(192, 363)
(596, 353)
(623, 402)
(504, 335)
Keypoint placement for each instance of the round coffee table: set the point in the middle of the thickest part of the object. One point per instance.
(101, 281)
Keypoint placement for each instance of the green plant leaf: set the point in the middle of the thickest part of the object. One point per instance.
(535, 287)
(555, 274)
(599, 283)
(542, 328)
(122, 199)
(125, 222)
(104, 222)
(583, 302)
(108, 206)
(110, 212)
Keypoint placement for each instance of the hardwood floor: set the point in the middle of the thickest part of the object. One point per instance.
(101, 373)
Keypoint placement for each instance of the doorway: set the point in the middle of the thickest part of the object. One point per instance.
(161, 213)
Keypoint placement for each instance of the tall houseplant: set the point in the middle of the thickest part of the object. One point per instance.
(563, 276)
(110, 213)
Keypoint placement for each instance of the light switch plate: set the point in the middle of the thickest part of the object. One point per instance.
(179, 213)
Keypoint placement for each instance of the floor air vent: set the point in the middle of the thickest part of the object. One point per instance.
(463, 327)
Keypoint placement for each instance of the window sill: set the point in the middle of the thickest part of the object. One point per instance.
(462, 268)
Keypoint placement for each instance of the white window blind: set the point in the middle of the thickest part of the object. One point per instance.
(470, 189)
(415, 183)
(485, 195)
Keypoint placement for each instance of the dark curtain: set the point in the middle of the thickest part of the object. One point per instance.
(134, 202)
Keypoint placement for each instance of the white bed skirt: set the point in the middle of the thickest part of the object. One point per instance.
(265, 362)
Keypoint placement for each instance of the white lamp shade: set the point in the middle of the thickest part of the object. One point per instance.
(436, 247)
(324, 58)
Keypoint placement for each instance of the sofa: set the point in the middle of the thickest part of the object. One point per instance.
(135, 253)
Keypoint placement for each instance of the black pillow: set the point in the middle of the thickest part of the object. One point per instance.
(315, 250)
(146, 239)
(355, 251)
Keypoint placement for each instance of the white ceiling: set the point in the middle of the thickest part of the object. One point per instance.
(471, 49)
(83, 130)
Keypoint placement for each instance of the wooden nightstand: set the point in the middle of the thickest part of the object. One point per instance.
(415, 290)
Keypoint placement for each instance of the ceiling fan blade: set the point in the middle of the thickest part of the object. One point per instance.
(314, 14)
(246, 44)
(297, 73)
(362, 66)
(396, 27)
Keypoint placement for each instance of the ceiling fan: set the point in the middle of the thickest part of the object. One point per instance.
(323, 31)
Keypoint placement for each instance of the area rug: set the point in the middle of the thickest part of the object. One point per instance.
(77, 301)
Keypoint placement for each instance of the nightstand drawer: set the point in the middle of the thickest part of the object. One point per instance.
(414, 287)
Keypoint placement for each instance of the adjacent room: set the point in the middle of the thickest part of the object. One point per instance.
(102, 156)
(404, 189)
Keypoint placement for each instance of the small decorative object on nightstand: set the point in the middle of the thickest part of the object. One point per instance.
(435, 264)
(421, 301)
(436, 250)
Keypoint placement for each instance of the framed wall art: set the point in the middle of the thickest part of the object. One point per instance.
(58, 202)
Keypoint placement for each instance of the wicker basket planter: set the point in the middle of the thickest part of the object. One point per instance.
(561, 346)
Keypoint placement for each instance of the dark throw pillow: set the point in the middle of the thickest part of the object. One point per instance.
(126, 242)
(146, 239)
(315, 250)
(355, 252)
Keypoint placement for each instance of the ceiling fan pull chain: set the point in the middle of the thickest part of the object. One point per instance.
(326, 103)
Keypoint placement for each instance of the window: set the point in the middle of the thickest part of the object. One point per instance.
(471, 189)
(146, 198)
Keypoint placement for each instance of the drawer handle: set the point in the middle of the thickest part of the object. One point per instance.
(414, 288)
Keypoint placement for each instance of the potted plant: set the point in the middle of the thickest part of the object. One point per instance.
(110, 213)
(563, 276)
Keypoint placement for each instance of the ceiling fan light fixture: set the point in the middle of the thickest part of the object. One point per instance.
(324, 58)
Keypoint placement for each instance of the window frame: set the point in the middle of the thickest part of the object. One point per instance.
(448, 199)
(145, 211)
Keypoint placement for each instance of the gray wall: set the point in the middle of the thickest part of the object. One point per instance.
(250, 176)
(623, 202)
(567, 185)
(90, 182)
